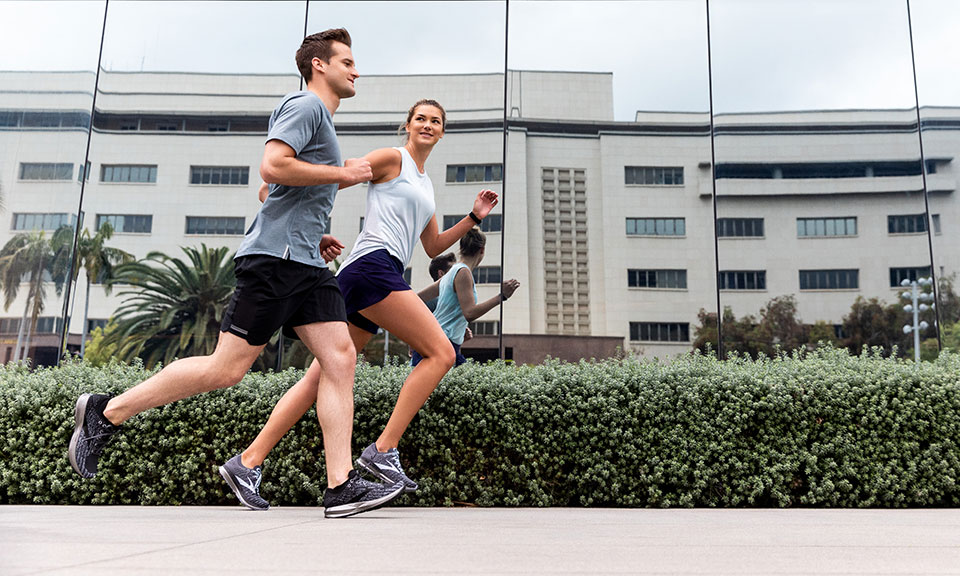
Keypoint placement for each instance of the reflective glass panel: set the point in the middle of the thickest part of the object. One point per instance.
(48, 62)
(609, 144)
(453, 53)
(816, 138)
(937, 54)
(183, 102)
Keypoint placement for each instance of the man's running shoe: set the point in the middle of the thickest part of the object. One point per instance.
(91, 433)
(385, 466)
(357, 495)
(245, 483)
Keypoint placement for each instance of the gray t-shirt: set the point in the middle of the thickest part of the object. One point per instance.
(293, 218)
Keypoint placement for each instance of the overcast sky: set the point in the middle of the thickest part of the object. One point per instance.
(767, 54)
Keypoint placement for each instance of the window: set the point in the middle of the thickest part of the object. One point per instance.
(49, 324)
(657, 278)
(812, 227)
(220, 175)
(141, 173)
(907, 223)
(215, 225)
(799, 171)
(41, 221)
(898, 275)
(9, 119)
(407, 275)
(492, 223)
(361, 224)
(474, 173)
(485, 328)
(743, 279)
(829, 279)
(94, 323)
(9, 325)
(740, 227)
(84, 173)
(935, 218)
(127, 223)
(660, 331)
(656, 227)
(46, 171)
(41, 120)
(486, 275)
(653, 175)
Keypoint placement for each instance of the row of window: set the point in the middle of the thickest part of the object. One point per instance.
(136, 173)
(492, 223)
(45, 325)
(217, 175)
(133, 223)
(757, 279)
(680, 331)
(806, 227)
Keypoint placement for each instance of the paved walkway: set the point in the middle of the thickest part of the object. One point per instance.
(100, 540)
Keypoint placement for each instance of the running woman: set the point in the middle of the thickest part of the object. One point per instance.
(457, 304)
(400, 209)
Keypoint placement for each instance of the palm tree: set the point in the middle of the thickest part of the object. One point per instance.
(172, 308)
(27, 256)
(96, 259)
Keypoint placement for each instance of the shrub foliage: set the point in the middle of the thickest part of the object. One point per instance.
(823, 428)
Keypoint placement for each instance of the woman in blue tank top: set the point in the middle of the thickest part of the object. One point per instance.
(400, 209)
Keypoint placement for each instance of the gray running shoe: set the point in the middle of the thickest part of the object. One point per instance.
(357, 495)
(245, 483)
(385, 466)
(91, 433)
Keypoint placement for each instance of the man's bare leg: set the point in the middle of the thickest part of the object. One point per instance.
(187, 377)
(292, 406)
(330, 344)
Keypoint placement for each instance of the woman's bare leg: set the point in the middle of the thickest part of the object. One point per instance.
(405, 315)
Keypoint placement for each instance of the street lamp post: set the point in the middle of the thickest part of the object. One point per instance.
(917, 305)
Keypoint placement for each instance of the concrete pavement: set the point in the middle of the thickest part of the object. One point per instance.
(98, 540)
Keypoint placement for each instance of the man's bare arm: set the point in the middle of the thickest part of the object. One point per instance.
(280, 165)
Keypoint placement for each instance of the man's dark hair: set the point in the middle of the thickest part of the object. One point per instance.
(319, 45)
(442, 263)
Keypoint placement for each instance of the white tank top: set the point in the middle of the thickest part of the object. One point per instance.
(397, 212)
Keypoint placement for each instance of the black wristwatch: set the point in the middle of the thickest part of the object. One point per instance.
(475, 218)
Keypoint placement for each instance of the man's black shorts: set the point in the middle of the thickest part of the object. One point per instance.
(273, 293)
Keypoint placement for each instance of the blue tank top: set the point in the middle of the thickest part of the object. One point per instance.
(448, 312)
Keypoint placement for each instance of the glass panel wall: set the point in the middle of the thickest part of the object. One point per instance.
(453, 53)
(937, 54)
(609, 148)
(48, 62)
(821, 213)
(183, 101)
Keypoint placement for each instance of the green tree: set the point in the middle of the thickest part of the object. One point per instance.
(97, 260)
(29, 256)
(871, 323)
(779, 327)
(172, 308)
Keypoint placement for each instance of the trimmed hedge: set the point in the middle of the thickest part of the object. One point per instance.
(820, 429)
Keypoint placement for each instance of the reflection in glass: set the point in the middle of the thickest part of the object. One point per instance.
(609, 145)
(819, 189)
(452, 52)
(48, 59)
(937, 55)
(178, 135)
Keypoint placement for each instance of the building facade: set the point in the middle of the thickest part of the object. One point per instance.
(619, 230)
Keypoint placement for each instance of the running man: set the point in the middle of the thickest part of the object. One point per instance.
(282, 282)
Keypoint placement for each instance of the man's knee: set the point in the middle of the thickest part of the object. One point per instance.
(227, 376)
